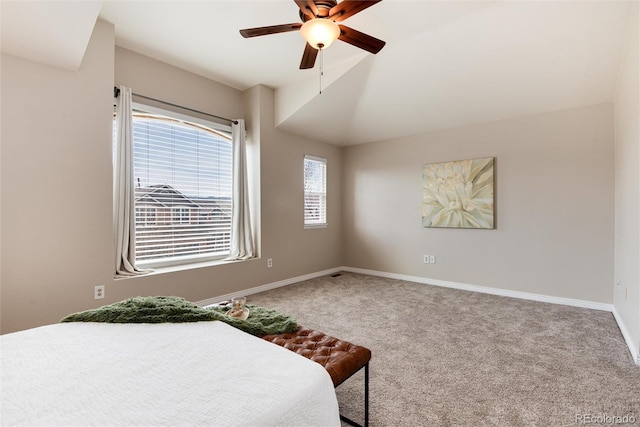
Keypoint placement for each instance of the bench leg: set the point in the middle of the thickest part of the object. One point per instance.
(366, 395)
(366, 402)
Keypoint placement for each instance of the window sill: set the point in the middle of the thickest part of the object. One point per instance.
(183, 267)
(324, 225)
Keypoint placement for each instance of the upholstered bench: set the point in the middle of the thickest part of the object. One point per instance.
(340, 358)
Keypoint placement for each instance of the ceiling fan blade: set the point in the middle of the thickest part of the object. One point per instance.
(308, 57)
(361, 40)
(347, 8)
(308, 7)
(273, 29)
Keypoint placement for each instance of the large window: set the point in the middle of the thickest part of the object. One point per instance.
(183, 188)
(315, 191)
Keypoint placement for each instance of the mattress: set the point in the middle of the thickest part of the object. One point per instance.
(205, 373)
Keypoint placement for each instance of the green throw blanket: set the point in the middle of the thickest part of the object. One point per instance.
(261, 321)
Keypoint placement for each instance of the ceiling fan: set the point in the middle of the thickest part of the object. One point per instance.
(319, 27)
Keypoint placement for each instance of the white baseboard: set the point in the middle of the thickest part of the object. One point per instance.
(635, 352)
(267, 287)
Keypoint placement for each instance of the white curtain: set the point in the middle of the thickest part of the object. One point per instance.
(123, 193)
(242, 244)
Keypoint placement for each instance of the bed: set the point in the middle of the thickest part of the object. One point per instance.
(202, 373)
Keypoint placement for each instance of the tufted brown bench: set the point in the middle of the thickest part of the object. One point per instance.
(340, 358)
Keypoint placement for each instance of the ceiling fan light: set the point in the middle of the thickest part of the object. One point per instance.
(320, 32)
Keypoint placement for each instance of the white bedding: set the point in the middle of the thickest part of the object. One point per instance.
(205, 373)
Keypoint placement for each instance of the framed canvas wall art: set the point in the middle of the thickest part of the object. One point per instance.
(458, 194)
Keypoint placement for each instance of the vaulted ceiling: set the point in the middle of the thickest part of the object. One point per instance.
(446, 63)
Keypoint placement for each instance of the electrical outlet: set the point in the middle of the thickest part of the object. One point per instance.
(426, 259)
(98, 292)
(269, 263)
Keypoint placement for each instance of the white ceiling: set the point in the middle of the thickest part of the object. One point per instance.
(446, 63)
(51, 32)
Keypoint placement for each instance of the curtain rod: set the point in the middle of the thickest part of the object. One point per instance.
(116, 93)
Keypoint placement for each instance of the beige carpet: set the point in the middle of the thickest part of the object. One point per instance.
(445, 357)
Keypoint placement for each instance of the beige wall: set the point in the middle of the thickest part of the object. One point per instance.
(57, 184)
(554, 206)
(159, 80)
(627, 189)
(56, 159)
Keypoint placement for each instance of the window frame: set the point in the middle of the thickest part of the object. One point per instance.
(183, 260)
(322, 222)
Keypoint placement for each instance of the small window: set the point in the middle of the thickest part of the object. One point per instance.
(315, 192)
(182, 215)
(145, 215)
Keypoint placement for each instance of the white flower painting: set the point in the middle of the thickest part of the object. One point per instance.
(458, 194)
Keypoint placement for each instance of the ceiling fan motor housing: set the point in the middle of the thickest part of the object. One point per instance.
(323, 6)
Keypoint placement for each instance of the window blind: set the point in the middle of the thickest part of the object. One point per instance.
(315, 191)
(183, 190)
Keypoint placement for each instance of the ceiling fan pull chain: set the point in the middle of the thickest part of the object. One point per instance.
(321, 68)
